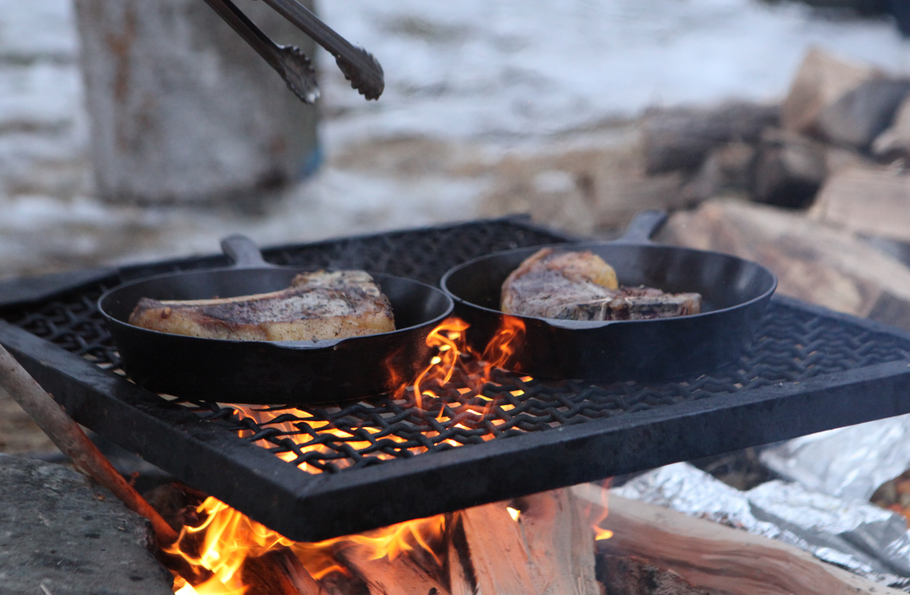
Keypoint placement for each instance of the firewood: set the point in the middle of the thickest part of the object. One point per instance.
(498, 553)
(821, 79)
(728, 169)
(277, 572)
(681, 138)
(813, 261)
(872, 201)
(894, 142)
(717, 558)
(549, 550)
(560, 543)
(628, 575)
(863, 113)
(401, 576)
(789, 169)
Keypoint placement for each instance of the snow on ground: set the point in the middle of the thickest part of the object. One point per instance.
(484, 76)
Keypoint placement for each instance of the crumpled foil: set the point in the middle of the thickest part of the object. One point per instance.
(851, 462)
(853, 534)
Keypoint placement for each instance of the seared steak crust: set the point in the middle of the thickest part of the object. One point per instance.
(316, 306)
(576, 286)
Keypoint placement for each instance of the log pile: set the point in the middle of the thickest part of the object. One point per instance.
(545, 545)
(840, 121)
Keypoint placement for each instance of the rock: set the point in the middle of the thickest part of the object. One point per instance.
(872, 201)
(821, 79)
(63, 535)
(894, 142)
(860, 115)
(789, 169)
(681, 138)
(813, 261)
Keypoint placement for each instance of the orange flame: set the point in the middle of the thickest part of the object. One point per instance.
(227, 537)
(599, 532)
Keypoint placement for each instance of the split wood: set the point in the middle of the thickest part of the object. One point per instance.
(72, 441)
(718, 558)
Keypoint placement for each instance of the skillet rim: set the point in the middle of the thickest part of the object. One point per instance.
(598, 324)
(297, 345)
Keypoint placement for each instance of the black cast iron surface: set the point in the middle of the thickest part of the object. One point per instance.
(318, 472)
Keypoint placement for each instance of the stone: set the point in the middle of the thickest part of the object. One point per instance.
(60, 534)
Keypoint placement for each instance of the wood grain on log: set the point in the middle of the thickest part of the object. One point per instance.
(862, 114)
(277, 572)
(872, 201)
(720, 559)
(549, 550)
(813, 261)
(401, 576)
(820, 80)
(681, 138)
(895, 141)
(789, 169)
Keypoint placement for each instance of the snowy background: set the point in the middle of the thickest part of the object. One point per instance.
(480, 78)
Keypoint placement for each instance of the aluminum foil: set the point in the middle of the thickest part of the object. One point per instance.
(851, 462)
(853, 534)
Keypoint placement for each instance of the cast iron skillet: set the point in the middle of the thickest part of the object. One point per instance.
(735, 293)
(284, 372)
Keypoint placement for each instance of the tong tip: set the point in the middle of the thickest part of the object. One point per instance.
(367, 78)
(299, 74)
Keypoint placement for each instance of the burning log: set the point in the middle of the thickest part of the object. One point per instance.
(718, 558)
(402, 575)
(544, 546)
(278, 572)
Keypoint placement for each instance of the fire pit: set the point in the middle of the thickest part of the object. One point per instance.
(487, 435)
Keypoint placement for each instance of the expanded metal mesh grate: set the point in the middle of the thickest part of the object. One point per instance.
(792, 346)
(475, 440)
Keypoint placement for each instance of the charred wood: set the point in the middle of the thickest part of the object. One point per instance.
(278, 572)
(717, 558)
(401, 576)
(628, 575)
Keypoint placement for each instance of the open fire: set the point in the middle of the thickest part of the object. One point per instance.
(210, 557)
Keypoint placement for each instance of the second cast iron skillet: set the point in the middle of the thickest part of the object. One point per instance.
(735, 293)
(266, 372)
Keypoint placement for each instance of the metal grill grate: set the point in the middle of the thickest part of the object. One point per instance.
(511, 435)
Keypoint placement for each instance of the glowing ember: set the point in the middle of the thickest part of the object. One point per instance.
(513, 512)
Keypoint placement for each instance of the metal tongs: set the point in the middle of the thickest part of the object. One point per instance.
(358, 65)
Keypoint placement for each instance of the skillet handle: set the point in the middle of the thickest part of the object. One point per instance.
(643, 226)
(243, 251)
